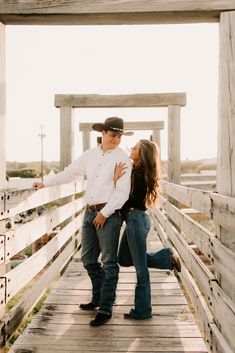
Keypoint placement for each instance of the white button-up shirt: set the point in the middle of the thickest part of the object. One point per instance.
(99, 167)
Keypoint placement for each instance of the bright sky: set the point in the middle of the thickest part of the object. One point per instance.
(43, 61)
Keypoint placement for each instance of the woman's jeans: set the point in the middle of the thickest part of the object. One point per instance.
(105, 241)
(134, 239)
(132, 251)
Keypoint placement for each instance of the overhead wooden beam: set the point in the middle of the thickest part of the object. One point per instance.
(130, 125)
(112, 11)
(127, 100)
(154, 126)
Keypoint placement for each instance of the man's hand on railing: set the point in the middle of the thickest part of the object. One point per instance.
(38, 185)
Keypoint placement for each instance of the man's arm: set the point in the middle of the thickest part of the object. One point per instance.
(74, 171)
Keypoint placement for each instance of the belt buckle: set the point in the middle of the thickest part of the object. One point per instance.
(95, 208)
(90, 208)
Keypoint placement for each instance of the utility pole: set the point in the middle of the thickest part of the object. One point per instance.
(42, 135)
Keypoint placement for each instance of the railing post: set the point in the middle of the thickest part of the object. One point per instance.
(2, 108)
(174, 144)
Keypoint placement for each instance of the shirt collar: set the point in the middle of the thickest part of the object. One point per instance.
(108, 151)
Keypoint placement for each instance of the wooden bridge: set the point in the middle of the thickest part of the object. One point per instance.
(192, 313)
(207, 255)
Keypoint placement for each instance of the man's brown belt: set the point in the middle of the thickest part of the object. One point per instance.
(95, 208)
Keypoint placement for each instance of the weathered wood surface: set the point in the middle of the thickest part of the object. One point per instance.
(173, 165)
(2, 203)
(86, 141)
(61, 326)
(211, 333)
(130, 125)
(112, 11)
(197, 199)
(66, 136)
(22, 274)
(24, 235)
(2, 107)
(224, 211)
(217, 253)
(198, 176)
(226, 128)
(226, 139)
(23, 200)
(12, 319)
(220, 207)
(208, 185)
(210, 301)
(124, 100)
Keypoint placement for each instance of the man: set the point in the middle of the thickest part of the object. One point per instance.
(102, 220)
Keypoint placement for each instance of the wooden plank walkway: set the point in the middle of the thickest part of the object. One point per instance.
(62, 327)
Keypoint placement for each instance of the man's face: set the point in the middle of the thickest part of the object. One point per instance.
(110, 140)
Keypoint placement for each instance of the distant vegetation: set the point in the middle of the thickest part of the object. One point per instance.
(23, 173)
(30, 169)
(33, 169)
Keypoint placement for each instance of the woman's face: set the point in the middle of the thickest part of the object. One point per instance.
(135, 152)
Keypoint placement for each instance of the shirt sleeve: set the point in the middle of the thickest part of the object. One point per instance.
(75, 171)
(121, 193)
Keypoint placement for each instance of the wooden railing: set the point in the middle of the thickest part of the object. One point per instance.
(199, 181)
(203, 256)
(43, 266)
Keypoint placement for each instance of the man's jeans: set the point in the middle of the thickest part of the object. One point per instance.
(105, 241)
(134, 240)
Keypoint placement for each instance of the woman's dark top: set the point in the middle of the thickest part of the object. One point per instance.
(138, 193)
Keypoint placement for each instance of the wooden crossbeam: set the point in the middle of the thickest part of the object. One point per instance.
(123, 101)
(112, 11)
(130, 125)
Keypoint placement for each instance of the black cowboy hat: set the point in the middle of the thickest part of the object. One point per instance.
(114, 124)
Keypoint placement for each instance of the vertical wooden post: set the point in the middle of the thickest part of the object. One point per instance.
(156, 137)
(66, 146)
(226, 124)
(174, 143)
(86, 139)
(66, 136)
(2, 108)
(226, 135)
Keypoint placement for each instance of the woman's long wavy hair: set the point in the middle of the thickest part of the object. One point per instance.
(149, 161)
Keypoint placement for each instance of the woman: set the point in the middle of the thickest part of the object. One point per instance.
(143, 195)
